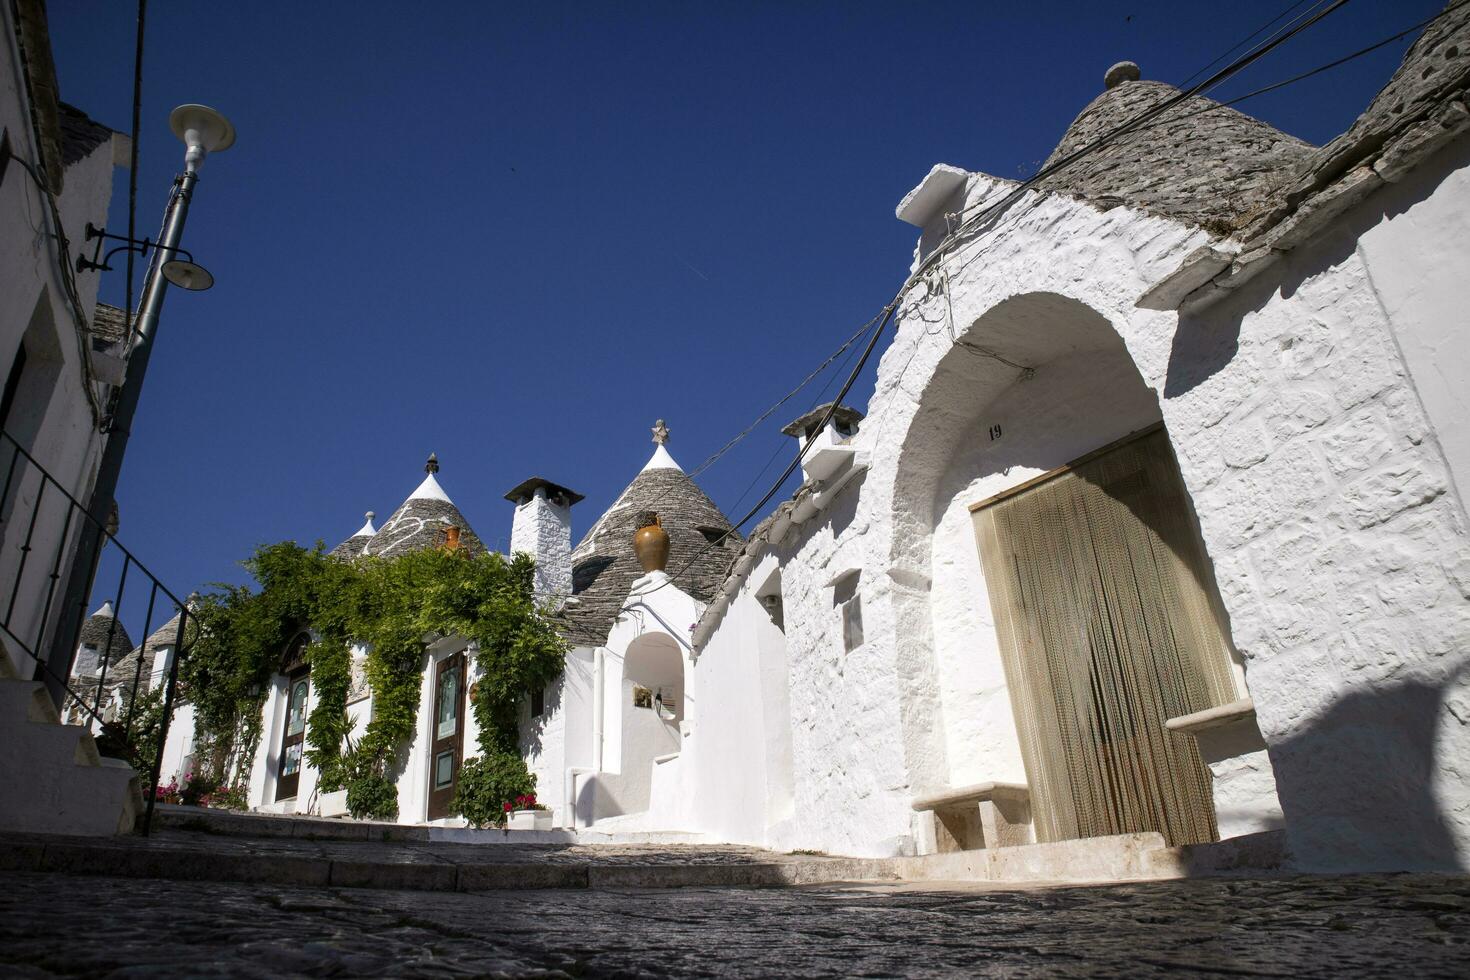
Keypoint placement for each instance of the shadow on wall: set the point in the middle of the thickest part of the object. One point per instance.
(1205, 343)
(1383, 813)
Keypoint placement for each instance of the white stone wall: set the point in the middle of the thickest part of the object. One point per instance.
(1409, 233)
(1338, 540)
(543, 530)
(738, 759)
(1322, 493)
(52, 416)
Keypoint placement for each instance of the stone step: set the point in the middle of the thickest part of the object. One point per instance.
(27, 699)
(418, 867)
(1125, 857)
(52, 778)
(83, 800)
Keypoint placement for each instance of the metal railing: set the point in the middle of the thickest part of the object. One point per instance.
(40, 525)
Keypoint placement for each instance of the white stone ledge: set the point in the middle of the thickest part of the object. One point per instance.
(971, 794)
(1216, 717)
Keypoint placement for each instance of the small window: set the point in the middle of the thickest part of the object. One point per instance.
(538, 702)
(850, 608)
(715, 535)
(852, 624)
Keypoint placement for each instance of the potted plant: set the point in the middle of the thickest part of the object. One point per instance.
(526, 814)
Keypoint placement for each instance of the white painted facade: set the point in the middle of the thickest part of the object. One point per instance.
(52, 411)
(1321, 462)
(1318, 414)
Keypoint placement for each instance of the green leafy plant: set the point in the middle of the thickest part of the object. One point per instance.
(389, 606)
(487, 785)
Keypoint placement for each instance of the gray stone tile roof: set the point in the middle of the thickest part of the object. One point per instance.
(1217, 168)
(95, 633)
(604, 566)
(419, 522)
(80, 135)
(355, 545)
(123, 658)
(352, 547)
(109, 324)
(845, 417)
(1421, 108)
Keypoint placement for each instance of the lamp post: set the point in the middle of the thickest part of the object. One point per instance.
(202, 131)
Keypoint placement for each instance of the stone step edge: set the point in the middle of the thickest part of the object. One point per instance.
(184, 864)
(227, 823)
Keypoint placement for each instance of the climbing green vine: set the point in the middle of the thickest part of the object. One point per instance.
(387, 606)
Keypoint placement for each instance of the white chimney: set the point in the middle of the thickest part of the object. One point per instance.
(542, 528)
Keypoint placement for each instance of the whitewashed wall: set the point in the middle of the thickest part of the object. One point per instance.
(52, 413)
(738, 771)
(1322, 496)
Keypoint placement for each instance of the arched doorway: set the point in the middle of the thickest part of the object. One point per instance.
(1035, 384)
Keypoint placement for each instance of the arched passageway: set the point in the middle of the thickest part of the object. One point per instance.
(1033, 385)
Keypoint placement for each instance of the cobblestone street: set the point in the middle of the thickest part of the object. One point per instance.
(1306, 927)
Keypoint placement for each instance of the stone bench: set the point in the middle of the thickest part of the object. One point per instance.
(971, 818)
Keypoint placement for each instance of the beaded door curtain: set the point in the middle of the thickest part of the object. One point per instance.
(1109, 625)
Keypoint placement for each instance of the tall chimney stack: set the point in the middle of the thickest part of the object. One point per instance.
(542, 528)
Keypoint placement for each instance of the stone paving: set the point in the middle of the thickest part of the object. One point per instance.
(423, 865)
(1386, 925)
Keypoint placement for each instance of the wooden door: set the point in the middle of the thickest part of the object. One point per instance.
(293, 733)
(446, 744)
(1109, 625)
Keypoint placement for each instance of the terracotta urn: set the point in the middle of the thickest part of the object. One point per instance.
(651, 544)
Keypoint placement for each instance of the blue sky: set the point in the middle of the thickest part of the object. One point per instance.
(517, 234)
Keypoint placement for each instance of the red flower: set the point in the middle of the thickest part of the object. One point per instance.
(509, 807)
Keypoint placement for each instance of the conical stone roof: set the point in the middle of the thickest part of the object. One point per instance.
(99, 627)
(103, 636)
(604, 566)
(354, 545)
(1198, 162)
(419, 522)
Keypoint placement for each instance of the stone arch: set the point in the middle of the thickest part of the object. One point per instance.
(1030, 384)
(654, 662)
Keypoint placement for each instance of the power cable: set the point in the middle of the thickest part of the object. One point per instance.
(1322, 68)
(1247, 39)
(133, 171)
(954, 236)
(1228, 71)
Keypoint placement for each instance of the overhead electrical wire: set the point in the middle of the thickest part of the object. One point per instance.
(1322, 68)
(1136, 122)
(133, 172)
(950, 240)
(1247, 39)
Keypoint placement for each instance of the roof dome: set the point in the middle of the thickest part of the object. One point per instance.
(1199, 162)
(604, 566)
(96, 630)
(354, 545)
(420, 520)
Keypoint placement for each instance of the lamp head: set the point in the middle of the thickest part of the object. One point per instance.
(202, 130)
(187, 275)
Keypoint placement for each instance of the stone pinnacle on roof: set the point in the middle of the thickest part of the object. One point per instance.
(432, 466)
(1123, 71)
(661, 460)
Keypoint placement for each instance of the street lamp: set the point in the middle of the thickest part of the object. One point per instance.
(203, 131)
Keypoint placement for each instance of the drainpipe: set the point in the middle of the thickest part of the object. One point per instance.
(598, 711)
(598, 714)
